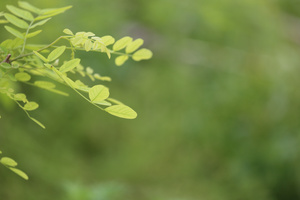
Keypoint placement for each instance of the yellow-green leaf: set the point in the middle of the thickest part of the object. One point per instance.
(103, 103)
(14, 32)
(120, 60)
(28, 6)
(20, 12)
(8, 162)
(88, 45)
(52, 12)
(37, 122)
(19, 172)
(98, 93)
(68, 31)
(31, 106)
(121, 111)
(20, 97)
(134, 45)
(122, 43)
(56, 53)
(107, 40)
(142, 54)
(2, 21)
(69, 65)
(40, 23)
(22, 76)
(44, 84)
(30, 35)
(41, 56)
(16, 21)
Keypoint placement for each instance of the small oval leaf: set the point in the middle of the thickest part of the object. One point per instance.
(56, 53)
(121, 111)
(122, 43)
(8, 162)
(31, 106)
(13, 31)
(19, 172)
(98, 93)
(142, 54)
(134, 45)
(22, 76)
(69, 65)
(120, 60)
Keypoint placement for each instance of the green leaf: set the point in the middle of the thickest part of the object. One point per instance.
(14, 32)
(98, 93)
(22, 76)
(69, 65)
(31, 106)
(115, 101)
(56, 53)
(68, 31)
(134, 45)
(142, 54)
(120, 60)
(2, 21)
(29, 7)
(45, 84)
(40, 23)
(16, 21)
(121, 111)
(122, 43)
(5, 65)
(19, 172)
(20, 97)
(8, 162)
(41, 56)
(107, 40)
(52, 12)
(88, 45)
(30, 35)
(37, 122)
(103, 103)
(20, 12)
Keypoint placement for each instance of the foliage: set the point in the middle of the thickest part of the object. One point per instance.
(42, 66)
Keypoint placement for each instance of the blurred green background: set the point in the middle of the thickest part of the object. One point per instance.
(218, 105)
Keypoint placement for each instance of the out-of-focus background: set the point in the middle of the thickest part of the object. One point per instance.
(218, 105)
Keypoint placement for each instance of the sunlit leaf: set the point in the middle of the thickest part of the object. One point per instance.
(122, 43)
(107, 40)
(8, 162)
(56, 53)
(40, 23)
(16, 21)
(14, 32)
(22, 76)
(134, 45)
(41, 56)
(30, 35)
(20, 12)
(44, 84)
(31, 106)
(38, 122)
(28, 6)
(120, 60)
(19, 172)
(142, 54)
(121, 111)
(20, 97)
(98, 93)
(68, 31)
(52, 12)
(69, 65)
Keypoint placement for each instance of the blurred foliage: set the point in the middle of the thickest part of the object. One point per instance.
(218, 107)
